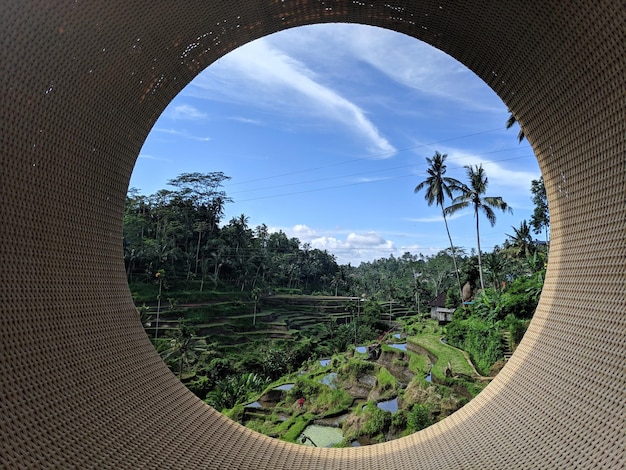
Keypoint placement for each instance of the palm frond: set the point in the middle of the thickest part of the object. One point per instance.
(489, 214)
(456, 207)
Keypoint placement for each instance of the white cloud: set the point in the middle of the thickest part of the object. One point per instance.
(407, 61)
(152, 157)
(302, 232)
(436, 218)
(421, 67)
(245, 120)
(178, 133)
(370, 239)
(186, 112)
(374, 179)
(498, 174)
(354, 248)
(261, 74)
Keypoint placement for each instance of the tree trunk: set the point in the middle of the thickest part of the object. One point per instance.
(198, 250)
(456, 269)
(480, 263)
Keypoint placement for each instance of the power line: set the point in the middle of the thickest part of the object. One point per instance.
(364, 173)
(371, 157)
(355, 183)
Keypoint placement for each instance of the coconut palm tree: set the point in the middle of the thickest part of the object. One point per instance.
(522, 241)
(184, 347)
(256, 295)
(438, 187)
(510, 122)
(473, 195)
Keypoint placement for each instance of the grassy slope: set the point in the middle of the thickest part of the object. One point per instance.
(445, 354)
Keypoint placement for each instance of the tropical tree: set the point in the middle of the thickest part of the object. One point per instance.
(236, 389)
(438, 187)
(541, 215)
(495, 265)
(510, 122)
(256, 295)
(473, 195)
(184, 347)
(521, 242)
(201, 197)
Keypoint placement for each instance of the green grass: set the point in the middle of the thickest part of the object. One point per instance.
(297, 425)
(445, 354)
(387, 383)
(418, 363)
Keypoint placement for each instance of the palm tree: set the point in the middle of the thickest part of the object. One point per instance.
(510, 122)
(184, 347)
(541, 214)
(474, 195)
(438, 187)
(522, 241)
(495, 265)
(256, 294)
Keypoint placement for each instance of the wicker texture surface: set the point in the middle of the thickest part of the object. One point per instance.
(82, 83)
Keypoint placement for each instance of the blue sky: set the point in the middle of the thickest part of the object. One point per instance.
(324, 131)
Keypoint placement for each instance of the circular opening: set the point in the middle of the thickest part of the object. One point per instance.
(277, 227)
(81, 382)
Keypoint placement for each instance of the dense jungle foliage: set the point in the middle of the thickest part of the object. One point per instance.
(233, 309)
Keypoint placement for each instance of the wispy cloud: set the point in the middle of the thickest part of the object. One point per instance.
(500, 174)
(371, 179)
(261, 74)
(152, 157)
(245, 120)
(412, 64)
(421, 67)
(183, 134)
(436, 218)
(186, 112)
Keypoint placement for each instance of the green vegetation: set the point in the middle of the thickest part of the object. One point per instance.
(418, 418)
(481, 339)
(445, 355)
(377, 421)
(235, 311)
(385, 382)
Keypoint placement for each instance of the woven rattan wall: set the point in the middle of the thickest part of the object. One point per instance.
(81, 85)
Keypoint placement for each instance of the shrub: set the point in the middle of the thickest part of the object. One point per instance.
(521, 297)
(304, 387)
(378, 421)
(398, 419)
(299, 424)
(276, 362)
(356, 368)
(480, 338)
(330, 400)
(516, 327)
(234, 390)
(418, 418)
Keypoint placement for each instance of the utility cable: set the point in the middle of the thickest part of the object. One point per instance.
(371, 157)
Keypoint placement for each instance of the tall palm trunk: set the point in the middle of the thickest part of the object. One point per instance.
(198, 251)
(456, 269)
(480, 263)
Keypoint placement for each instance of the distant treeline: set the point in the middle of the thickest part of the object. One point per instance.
(180, 234)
